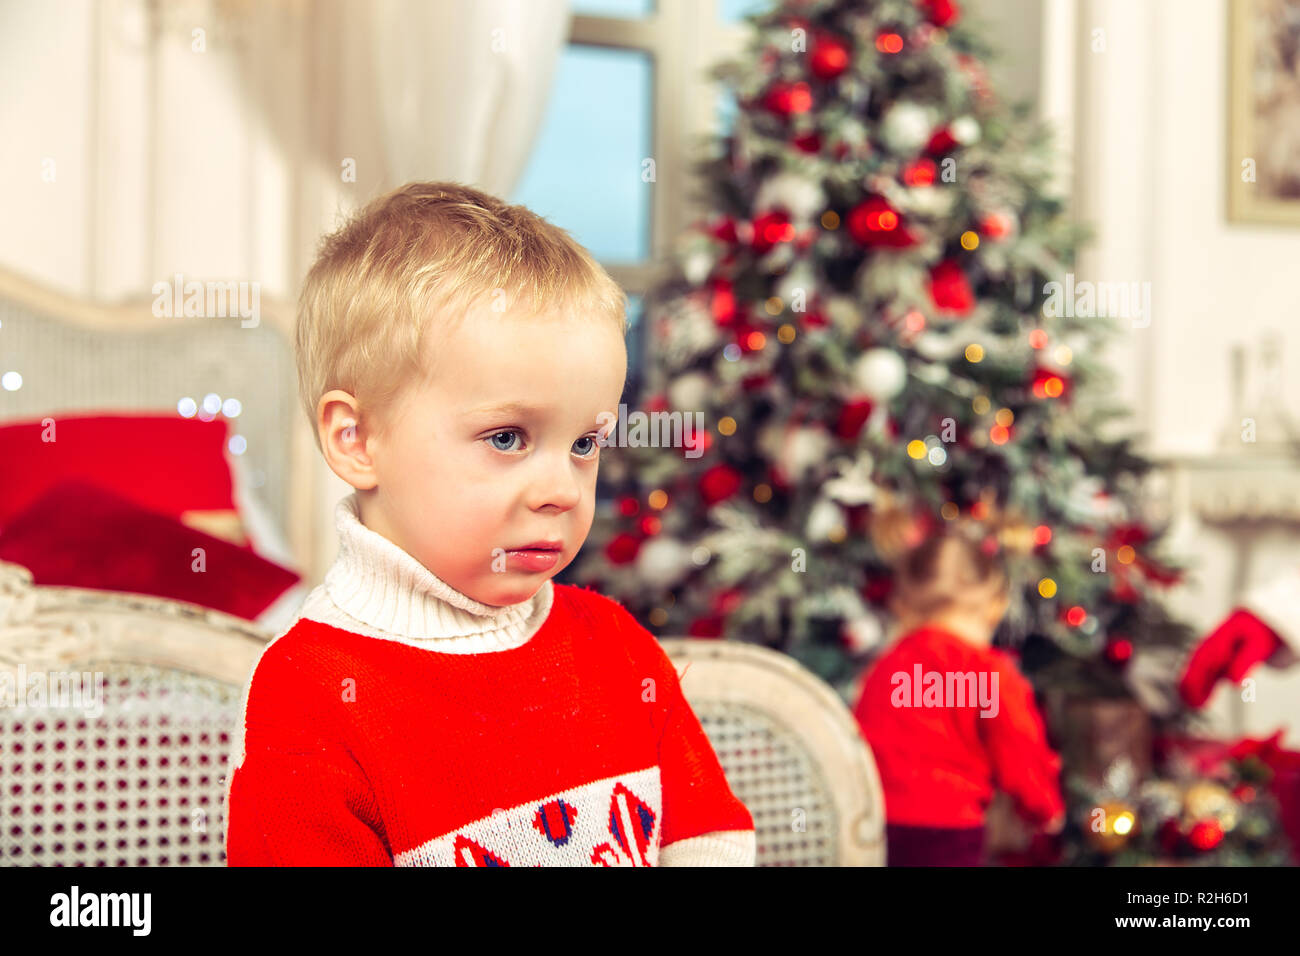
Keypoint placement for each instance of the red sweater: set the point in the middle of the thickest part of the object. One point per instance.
(576, 748)
(938, 758)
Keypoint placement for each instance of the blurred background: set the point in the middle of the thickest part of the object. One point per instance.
(149, 145)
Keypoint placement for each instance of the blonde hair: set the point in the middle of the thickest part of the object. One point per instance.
(421, 251)
(936, 571)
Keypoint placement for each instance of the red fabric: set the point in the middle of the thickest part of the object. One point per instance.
(1230, 651)
(939, 764)
(435, 746)
(162, 462)
(80, 535)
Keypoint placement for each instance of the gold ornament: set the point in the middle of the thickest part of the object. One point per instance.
(1207, 800)
(1017, 538)
(1110, 825)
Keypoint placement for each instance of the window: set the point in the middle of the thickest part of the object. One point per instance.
(631, 105)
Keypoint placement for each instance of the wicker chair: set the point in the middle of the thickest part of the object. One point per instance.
(791, 752)
(122, 759)
(132, 772)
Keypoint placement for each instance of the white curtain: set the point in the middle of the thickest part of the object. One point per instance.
(407, 89)
(463, 85)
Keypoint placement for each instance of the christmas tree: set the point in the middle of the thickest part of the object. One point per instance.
(880, 312)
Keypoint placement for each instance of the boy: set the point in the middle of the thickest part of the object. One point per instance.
(441, 701)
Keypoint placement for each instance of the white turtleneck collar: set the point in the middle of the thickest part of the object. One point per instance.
(376, 588)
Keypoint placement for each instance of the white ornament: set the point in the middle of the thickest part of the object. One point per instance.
(696, 266)
(689, 392)
(906, 127)
(863, 633)
(844, 312)
(880, 373)
(800, 277)
(937, 346)
(802, 449)
(802, 198)
(854, 484)
(927, 201)
(662, 562)
(823, 518)
(965, 130)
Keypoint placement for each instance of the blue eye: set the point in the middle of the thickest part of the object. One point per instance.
(592, 446)
(491, 438)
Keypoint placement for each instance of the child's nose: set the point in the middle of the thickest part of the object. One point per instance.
(554, 484)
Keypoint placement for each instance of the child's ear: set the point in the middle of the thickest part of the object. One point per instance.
(343, 439)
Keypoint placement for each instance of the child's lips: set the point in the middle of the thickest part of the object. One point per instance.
(533, 559)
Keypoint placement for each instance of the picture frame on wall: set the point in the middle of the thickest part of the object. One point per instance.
(1263, 165)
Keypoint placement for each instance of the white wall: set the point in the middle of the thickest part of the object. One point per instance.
(1149, 158)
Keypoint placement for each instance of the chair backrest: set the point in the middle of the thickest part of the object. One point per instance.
(116, 712)
(115, 719)
(791, 751)
(80, 356)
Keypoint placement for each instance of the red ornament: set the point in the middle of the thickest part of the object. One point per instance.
(995, 225)
(941, 13)
(1205, 835)
(724, 602)
(875, 223)
(920, 172)
(1119, 650)
(829, 58)
(771, 228)
(808, 143)
(705, 627)
(628, 506)
(724, 229)
(853, 415)
(622, 548)
(889, 43)
(785, 99)
(1123, 591)
(719, 483)
(877, 590)
(1171, 837)
(941, 142)
(1047, 383)
(722, 302)
(949, 289)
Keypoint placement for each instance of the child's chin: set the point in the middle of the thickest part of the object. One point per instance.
(500, 597)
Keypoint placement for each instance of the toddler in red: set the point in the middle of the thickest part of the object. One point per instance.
(440, 701)
(948, 717)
